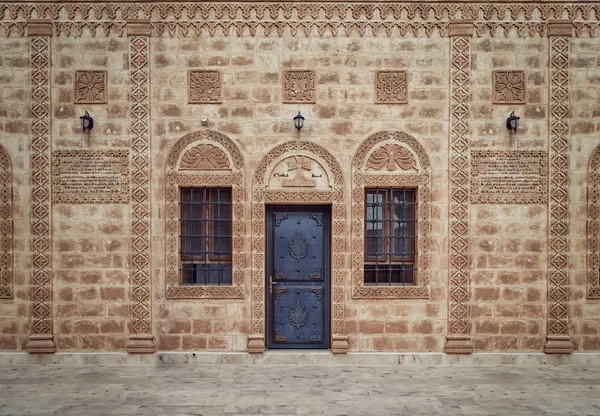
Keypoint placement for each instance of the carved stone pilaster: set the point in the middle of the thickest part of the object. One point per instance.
(6, 226)
(42, 338)
(458, 340)
(558, 340)
(140, 326)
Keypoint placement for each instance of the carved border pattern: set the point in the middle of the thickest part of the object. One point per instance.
(6, 226)
(140, 281)
(176, 178)
(41, 227)
(262, 195)
(362, 179)
(558, 223)
(593, 226)
(460, 91)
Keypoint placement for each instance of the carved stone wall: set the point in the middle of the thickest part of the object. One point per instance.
(262, 195)
(186, 167)
(414, 172)
(6, 226)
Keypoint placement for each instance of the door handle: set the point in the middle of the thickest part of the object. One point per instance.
(271, 283)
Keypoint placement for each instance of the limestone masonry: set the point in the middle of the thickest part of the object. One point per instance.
(403, 216)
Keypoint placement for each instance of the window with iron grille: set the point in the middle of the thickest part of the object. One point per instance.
(205, 227)
(390, 236)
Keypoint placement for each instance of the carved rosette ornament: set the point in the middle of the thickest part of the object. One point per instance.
(558, 340)
(6, 226)
(299, 86)
(141, 340)
(391, 87)
(204, 157)
(508, 87)
(204, 87)
(458, 340)
(90, 87)
(263, 194)
(41, 339)
(363, 176)
(391, 156)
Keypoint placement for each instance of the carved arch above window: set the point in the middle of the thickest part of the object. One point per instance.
(593, 226)
(391, 159)
(6, 226)
(205, 159)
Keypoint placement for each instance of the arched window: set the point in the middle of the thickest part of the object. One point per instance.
(6, 226)
(391, 203)
(204, 218)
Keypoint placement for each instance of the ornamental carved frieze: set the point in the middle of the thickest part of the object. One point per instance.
(508, 87)
(593, 226)
(299, 86)
(90, 87)
(6, 226)
(391, 156)
(391, 87)
(204, 87)
(204, 157)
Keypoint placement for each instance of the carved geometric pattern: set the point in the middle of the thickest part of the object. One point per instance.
(204, 157)
(391, 87)
(508, 87)
(41, 246)
(593, 226)
(299, 86)
(262, 195)
(204, 86)
(90, 87)
(180, 174)
(361, 179)
(458, 316)
(140, 281)
(6, 226)
(558, 233)
(390, 156)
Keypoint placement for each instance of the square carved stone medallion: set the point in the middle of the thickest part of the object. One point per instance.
(90, 87)
(299, 86)
(391, 87)
(204, 87)
(508, 87)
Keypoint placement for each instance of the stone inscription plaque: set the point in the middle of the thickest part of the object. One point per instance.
(509, 177)
(90, 177)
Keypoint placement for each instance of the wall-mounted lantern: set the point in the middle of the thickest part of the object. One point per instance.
(87, 122)
(299, 121)
(512, 122)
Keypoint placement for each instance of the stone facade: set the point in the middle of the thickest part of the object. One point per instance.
(394, 94)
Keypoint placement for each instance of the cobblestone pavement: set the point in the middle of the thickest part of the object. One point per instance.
(298, 390)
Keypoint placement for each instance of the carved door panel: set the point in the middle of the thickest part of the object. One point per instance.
(298, 252)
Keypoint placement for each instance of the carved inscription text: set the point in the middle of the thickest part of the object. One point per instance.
(509, 177)
(90, 176)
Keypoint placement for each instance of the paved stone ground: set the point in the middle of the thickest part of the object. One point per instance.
(298, 390)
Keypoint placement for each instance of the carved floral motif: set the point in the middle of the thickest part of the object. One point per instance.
(593, 226)
(204, 87)
(391, 87)
(391, 156)
(204, 157)
(90, 87)
(508, 87)
(298, 86)
(6, 226)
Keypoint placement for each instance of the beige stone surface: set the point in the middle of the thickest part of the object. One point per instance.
(91, 243)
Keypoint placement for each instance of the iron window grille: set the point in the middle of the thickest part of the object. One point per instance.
(205, 236)
(390, 236)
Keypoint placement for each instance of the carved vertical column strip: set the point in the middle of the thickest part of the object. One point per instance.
(558, 340)
(458, 340)
(6, 226)
(41, 339)
(141, 339)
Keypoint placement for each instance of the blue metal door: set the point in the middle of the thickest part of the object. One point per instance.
(298, 251)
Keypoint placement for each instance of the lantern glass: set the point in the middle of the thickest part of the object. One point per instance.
(299, 121)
